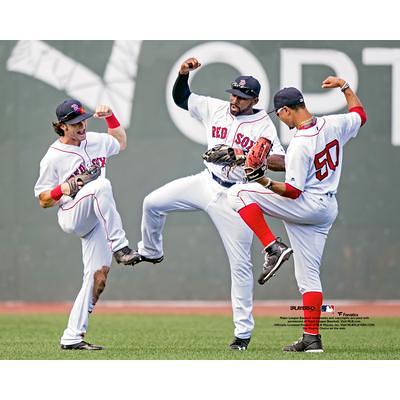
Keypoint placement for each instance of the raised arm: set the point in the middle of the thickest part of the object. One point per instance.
(114, 127)
(181, 90)
(353, 102)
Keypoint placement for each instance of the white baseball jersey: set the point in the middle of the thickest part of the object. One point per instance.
(236, 131)
(314, 156)
(63, 160)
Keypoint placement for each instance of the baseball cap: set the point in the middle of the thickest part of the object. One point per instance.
(246, 87)
(287, 97)
(71, 112)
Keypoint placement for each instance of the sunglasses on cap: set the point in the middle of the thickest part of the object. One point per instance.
(72, 114)
(244, 89)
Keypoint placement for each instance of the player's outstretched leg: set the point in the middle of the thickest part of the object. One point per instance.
(183, 194)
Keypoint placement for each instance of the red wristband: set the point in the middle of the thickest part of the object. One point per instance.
(56, 193)
(112, 122)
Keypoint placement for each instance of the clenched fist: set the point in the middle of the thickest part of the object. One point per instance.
(189, 65)
(333, 82)
(102, 111)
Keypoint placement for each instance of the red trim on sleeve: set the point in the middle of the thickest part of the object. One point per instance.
(291, 192)
(56, 193)
(112, 122)
(361, 112)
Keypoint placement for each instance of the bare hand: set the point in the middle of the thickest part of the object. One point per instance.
(332, 82)
(102, 111)
(189, 65)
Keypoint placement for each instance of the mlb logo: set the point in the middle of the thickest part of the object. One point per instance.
(328, 308)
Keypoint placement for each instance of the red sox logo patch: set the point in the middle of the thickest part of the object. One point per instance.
(242, 82)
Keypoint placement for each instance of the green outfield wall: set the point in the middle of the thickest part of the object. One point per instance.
(39, 262)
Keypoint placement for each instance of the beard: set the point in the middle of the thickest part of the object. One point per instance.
(237, 111)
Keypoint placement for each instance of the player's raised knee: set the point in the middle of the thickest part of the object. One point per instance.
(150, 201)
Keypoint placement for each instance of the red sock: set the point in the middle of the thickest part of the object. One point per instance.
(254, 218)
(313, 301)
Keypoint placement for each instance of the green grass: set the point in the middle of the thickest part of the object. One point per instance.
(183, 337)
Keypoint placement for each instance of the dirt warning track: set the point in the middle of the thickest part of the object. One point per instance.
(387, 308)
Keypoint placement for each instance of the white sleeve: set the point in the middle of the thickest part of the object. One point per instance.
(111, 144)
(203, 107)
(348, 125)
(48, 177)
(297, 163)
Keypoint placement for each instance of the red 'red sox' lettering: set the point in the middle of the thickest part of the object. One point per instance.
(219, 132)
(100, 161)
(244, 141)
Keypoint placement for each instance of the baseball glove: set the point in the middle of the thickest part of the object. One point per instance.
(77, 182)
(256, 161)
(222, 154)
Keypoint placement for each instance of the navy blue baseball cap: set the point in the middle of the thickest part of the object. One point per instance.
(246, 87)
(71, 112)
(287, 97)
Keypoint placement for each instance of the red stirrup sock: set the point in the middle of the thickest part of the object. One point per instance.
(254, 218)
(312, 301)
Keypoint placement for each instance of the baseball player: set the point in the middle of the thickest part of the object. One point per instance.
(306, 201)
(72, 176)
(238, 125)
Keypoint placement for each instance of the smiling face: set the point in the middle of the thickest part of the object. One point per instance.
(74, 133)
(241, 106)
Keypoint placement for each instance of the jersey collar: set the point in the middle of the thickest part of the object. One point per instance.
(252, 117)
(312, 123)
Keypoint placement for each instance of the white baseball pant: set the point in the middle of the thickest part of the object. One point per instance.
(307, 220)
(92, 215)
(201, 192)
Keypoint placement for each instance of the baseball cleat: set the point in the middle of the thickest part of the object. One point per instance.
(239, 344)
(124, 256)
(137, 258)
(307, 343)
(81, 346)
(275, 255)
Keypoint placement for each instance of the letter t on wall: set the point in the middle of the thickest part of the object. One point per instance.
(382, 56)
